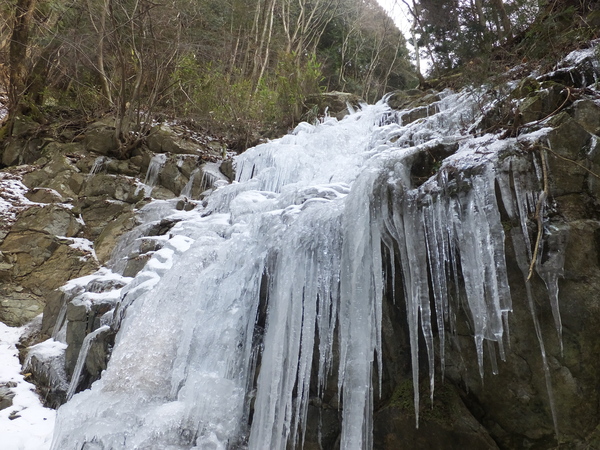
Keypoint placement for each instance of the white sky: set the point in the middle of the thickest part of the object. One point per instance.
(397, 11)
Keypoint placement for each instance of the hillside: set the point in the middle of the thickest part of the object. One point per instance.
(420, 272)
(475, 259)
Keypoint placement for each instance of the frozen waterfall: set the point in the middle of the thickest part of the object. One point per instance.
(277, 283)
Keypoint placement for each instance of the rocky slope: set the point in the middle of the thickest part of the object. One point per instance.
(66, 203)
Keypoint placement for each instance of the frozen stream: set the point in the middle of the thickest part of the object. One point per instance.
(300, 240)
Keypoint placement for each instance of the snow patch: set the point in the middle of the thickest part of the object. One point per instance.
(26, 425)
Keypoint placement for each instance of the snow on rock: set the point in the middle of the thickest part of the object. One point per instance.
(84, 245)
(12, 198)
(26, 425)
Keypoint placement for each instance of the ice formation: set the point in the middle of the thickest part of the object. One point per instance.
(99, 164)
(154, 168)
(229, 323)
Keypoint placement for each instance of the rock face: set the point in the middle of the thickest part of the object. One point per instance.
(39, 254)
(63, 211)
(511, 409)
(71, 204)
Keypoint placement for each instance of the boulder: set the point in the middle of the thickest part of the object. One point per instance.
(49, 377)
(335, 104)
(117, 187)
(19, 152)
(411, 99)
(418, 113)
(544, 102)
(34, 263)
(569, 143)
(51, 219)
(108, 239)
(227, 168)
(54, 150)
(42, 262)
(17, 306)
(97, 357)
(163, 139)
(6, 396)
(171, 178)
(83, 317)
(579, 69)
(123, 167)
(187, 164)
(100, 138)
(24, 126)
(44, 195)
(54, 302)
(161, 193)
(58, 173)
(587, 114)
(527, 86)
(98, 212)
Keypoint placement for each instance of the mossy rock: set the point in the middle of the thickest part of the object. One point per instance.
(101, 140)
(547, 100)
(446, 424)
(19, 151)
(526, 87)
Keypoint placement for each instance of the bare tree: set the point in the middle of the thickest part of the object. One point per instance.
(18, 61)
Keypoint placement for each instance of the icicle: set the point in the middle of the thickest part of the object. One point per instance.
(98, 165)
(415, 264)
(60, 318)
(523, 261)
(525, 203)
(300, 303)
(187, 189)
(85, 347)
(360, 302)
(550, 269)
(154, 168)
(438, 258)
(492, 355)
(550, 266)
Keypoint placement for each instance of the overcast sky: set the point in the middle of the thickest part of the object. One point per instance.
(395, 9)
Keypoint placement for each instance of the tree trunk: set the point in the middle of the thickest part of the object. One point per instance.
(18, 69)
(484, 35)
(101, 30)
(500, 11)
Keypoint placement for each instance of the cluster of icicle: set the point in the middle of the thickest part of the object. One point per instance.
(302, 236)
